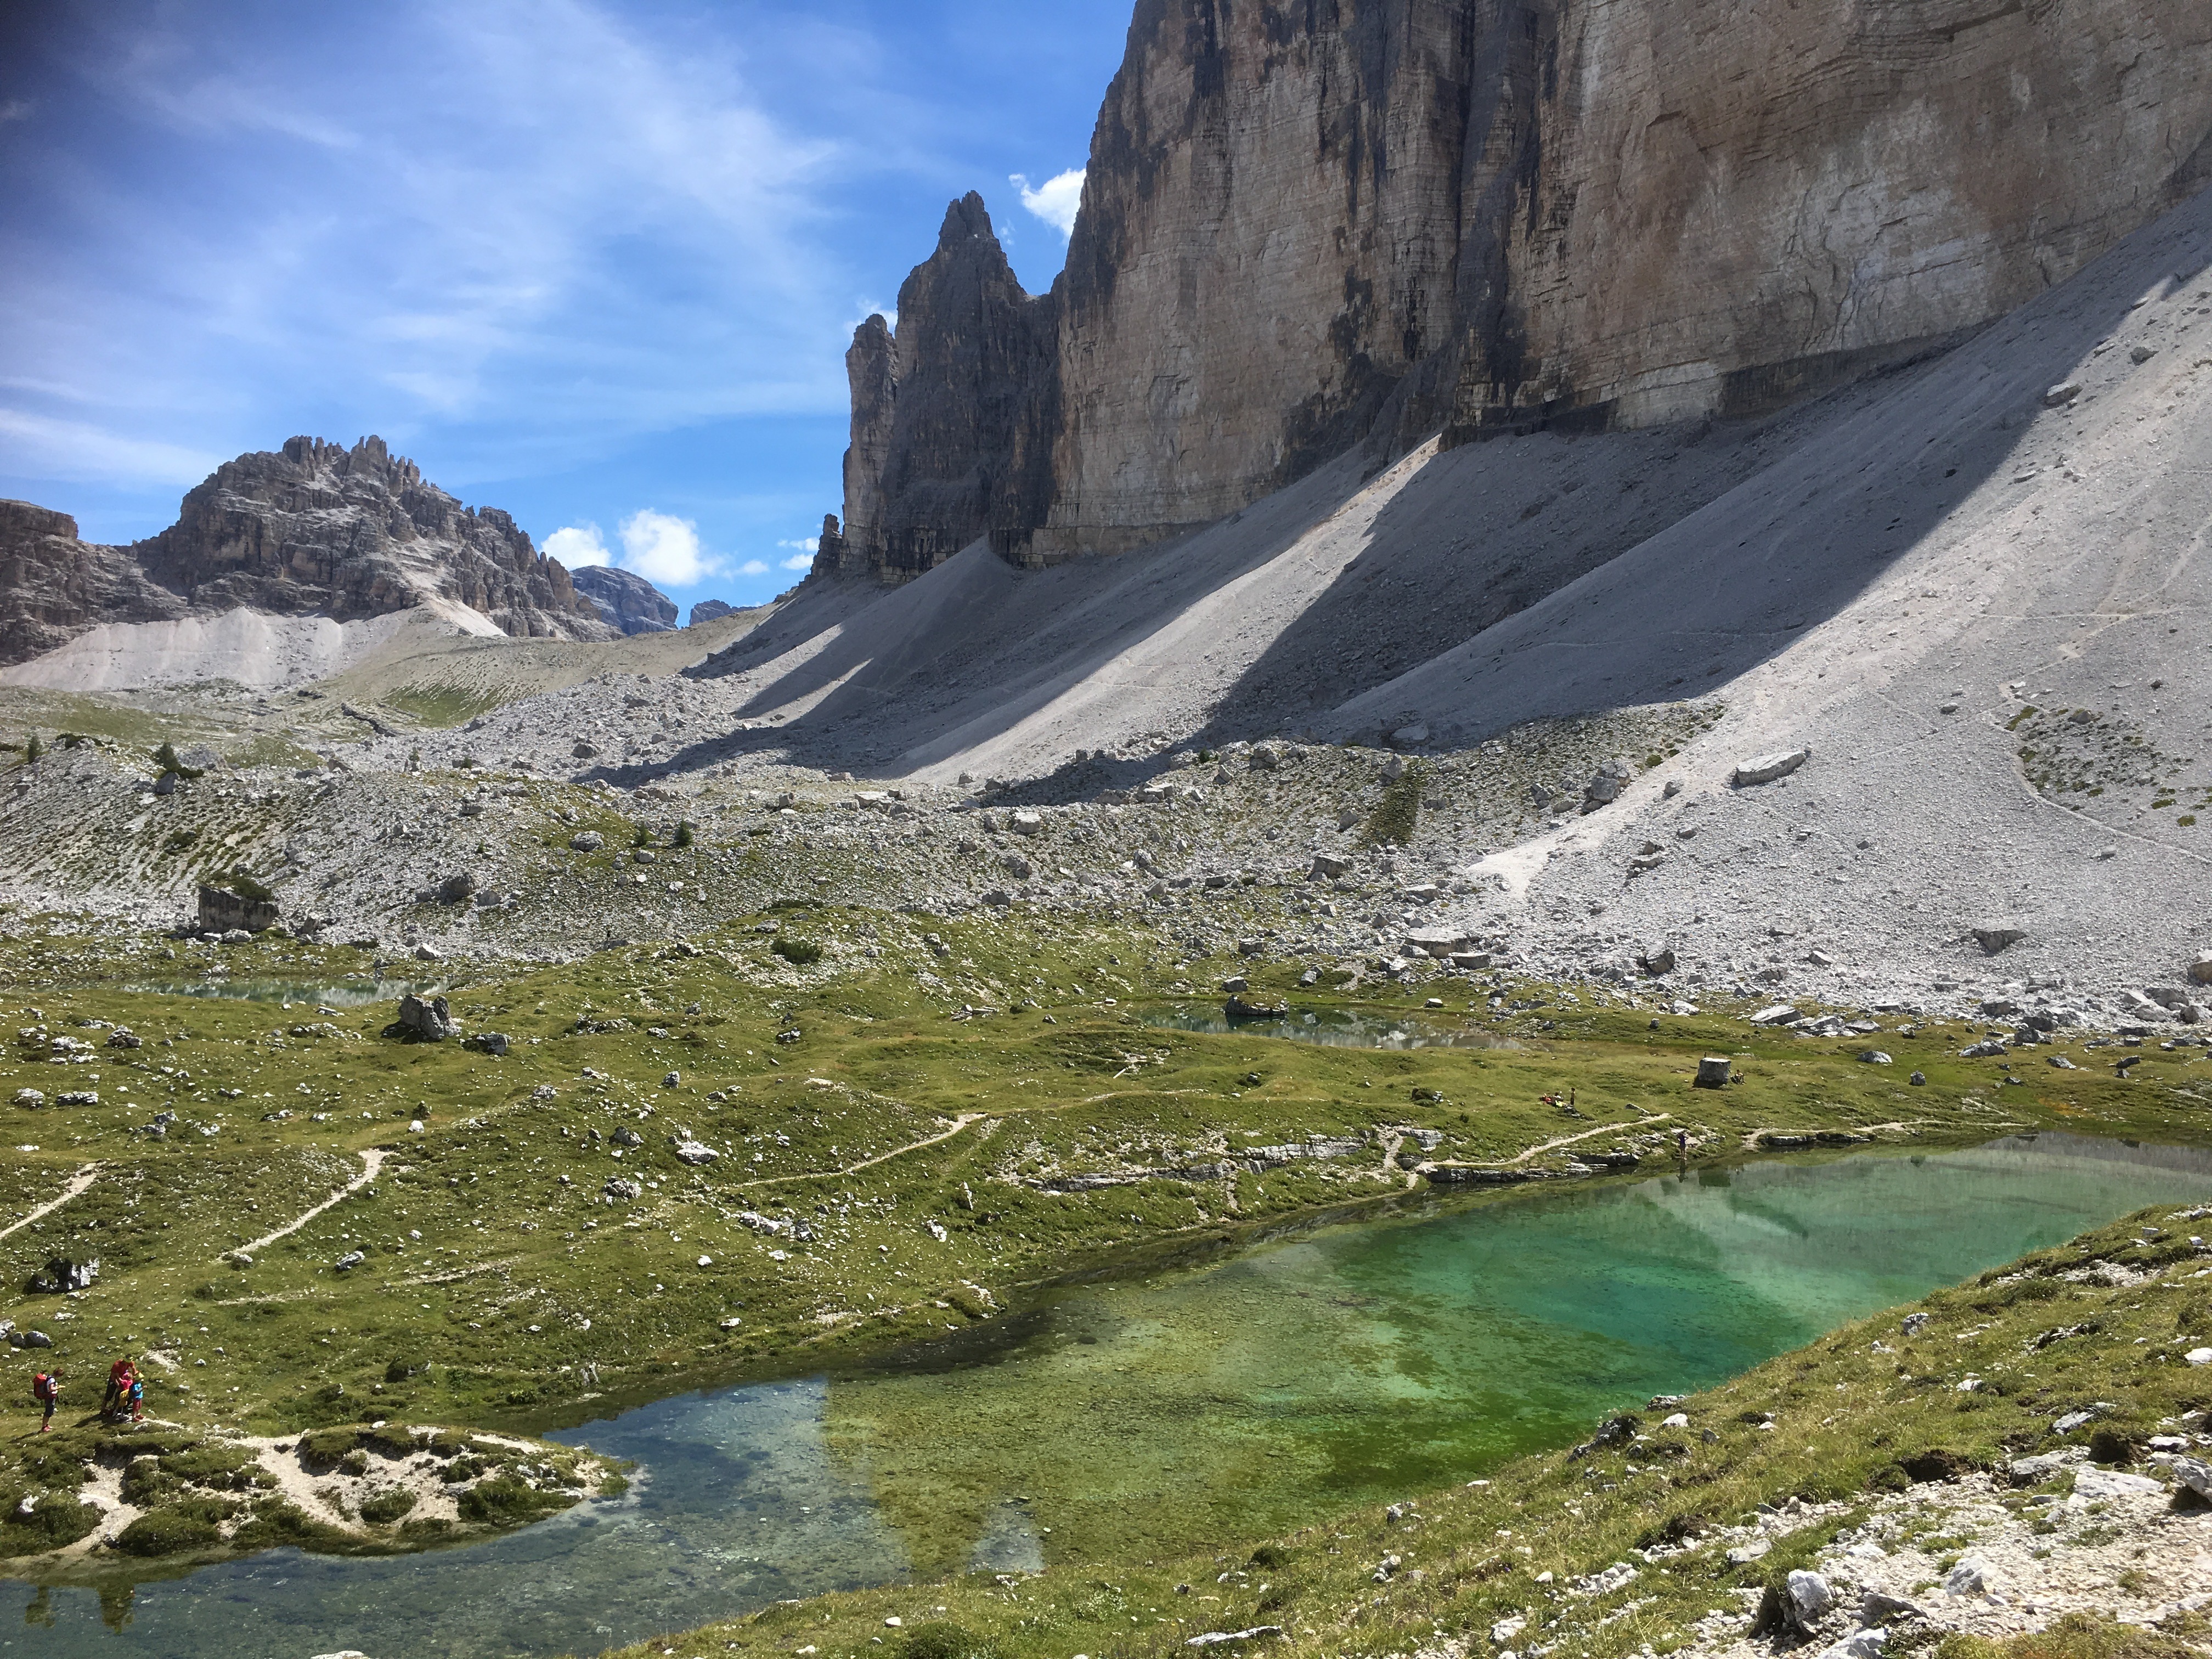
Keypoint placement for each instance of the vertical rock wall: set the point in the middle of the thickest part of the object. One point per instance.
(1307, 225)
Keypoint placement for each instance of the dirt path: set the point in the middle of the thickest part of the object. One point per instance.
(958, 1124)
(373, 1158)
(83, 1179)
(1588, 1135)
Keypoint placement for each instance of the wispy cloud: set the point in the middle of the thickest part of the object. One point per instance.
(753, 567)
(533, 214)
(1056, 201)
(39, 446)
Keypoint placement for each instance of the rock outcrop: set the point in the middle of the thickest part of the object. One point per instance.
(53, 586)
(313, 530)
(708, 611)
(1306, 229)
(940, 412)
(625, 599)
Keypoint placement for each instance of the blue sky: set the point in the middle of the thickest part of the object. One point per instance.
(596, 263)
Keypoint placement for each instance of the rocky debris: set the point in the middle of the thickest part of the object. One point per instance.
(695, 1152)
(123, 1037)
(350, 1260)
(62, 1276)
(2200, 970)
(32, 1098)
(224, 912)
(495, 1043)
(587, 841)
(428, 1020)
(458, 888)
(619, 1191)
(1767, 769)
(1610, 780)
(1025, 823)
(625, 600)
(707, 610)
(29, 1340)
(1996, 936)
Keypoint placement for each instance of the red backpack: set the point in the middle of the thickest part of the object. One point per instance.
(42, 1388)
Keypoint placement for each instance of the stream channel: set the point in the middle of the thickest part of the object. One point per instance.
(1350, 1363)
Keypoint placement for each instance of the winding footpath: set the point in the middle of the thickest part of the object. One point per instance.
(83, 1179)
(373, 1158)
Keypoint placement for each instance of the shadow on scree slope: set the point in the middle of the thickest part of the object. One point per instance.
(1536, 577)
(1736, 582)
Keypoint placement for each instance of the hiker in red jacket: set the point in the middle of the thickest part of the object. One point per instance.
(46, 1390)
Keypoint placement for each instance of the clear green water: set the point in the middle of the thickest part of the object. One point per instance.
(1333, 1028)
(1337, 1366)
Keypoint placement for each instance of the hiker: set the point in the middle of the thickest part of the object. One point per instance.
(138, 1398)
(120, 1376)
(46, 1389)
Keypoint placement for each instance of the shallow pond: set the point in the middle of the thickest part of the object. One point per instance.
(1334, 1028)
(1338, 1365)
(290, 993)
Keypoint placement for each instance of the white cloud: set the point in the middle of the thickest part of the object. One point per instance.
(799, 562)
(804, 544)
(663, 550)
(15, 109)
(40, 445)
(1055, 200)
(753, 567)
(577, 546)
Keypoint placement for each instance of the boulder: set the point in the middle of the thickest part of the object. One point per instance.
(1025, 823)
(1328, 868)
(1714, 1072)
(222, 912)
(2195, 1474)
(695, 1152)
(457, 888)
(490, 1043)
(2059, 396)
(1657, 962)
(2200, 970)
(1471, 959)
(1605, 787)
(350, 1260)
(29, 1340)
(429, 1021)
(1995, 936)
(61, 1276)
(2092, 1484)
(1807, 1599)
(619, 1191)
(1779, 1013)
(1437, 942)
(1765, 768)
(587, 841)
(1409, 737)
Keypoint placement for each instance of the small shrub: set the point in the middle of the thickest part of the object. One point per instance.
(166, 758)
(354, 1463)
(943, 1639)
(322, 1449)
(800, 952)
(32, 751)
(506, 1500)
(56, 1520)
(167, 1533)
(683, 834)
(387, 1506)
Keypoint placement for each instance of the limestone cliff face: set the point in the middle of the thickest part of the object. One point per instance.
(1305, 226)
(356, 532)
(53, 586)
(936, 411)
(316, 529)
(625, 600)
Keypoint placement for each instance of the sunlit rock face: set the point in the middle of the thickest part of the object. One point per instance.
(315, 529)
(1305, 228)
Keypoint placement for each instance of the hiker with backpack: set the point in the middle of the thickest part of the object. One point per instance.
(46, 1390)
(138, 1398)
(120, 1376)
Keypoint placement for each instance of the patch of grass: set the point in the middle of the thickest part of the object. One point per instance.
(1398, 817)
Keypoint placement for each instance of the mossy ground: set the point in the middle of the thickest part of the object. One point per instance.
(1866, 1410)
(889, 1163)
